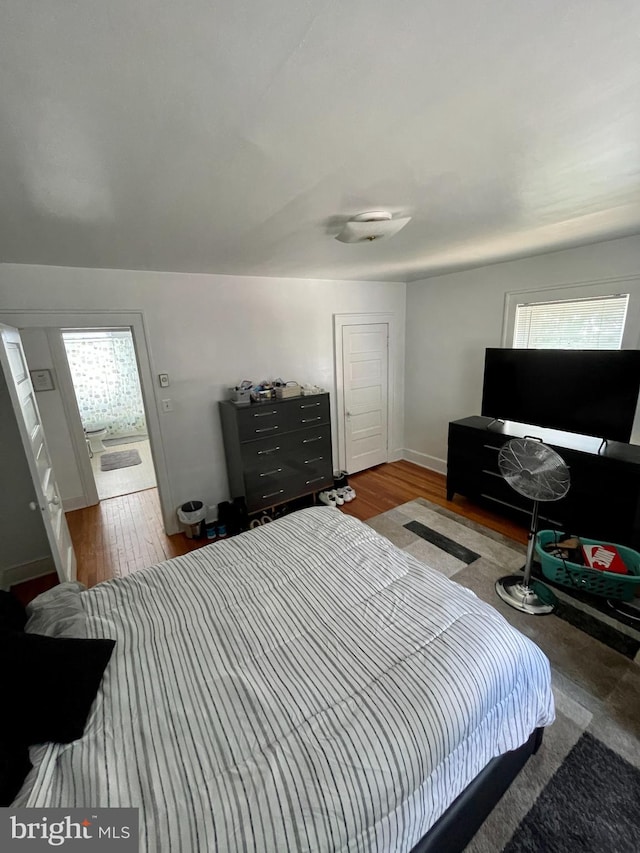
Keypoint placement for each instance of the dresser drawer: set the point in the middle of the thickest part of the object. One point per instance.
(314, 469)
(261, 495)
(488, 454)
(304, 412)
(291, 484)
(260, 421)
(312, 472)
(299, 447)
(309, 445)
(264, 454)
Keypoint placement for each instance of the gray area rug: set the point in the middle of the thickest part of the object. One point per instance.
(596, 683)
(119, 459)
(592, 803)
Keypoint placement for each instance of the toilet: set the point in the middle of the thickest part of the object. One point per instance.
(94, 439)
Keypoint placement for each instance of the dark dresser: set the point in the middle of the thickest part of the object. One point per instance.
(277, 450)
(604, 498)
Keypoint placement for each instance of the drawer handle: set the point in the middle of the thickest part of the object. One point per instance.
(269, 473)
(267, 429)
(315, 480)
(310, 420)
(315, 459)
(491, 447)
(264, 414)
(270, 450)
(273, 494)
(492, 474)
(309, 405)
(309, 440)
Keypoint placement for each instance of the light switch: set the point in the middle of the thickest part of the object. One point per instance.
(164, 380)
(167, 405)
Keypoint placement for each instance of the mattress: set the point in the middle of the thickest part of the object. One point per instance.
(303, 686)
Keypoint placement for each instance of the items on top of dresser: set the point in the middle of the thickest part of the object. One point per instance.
(277, 389)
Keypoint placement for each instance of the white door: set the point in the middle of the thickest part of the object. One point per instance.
(365, 383)
(46, 491)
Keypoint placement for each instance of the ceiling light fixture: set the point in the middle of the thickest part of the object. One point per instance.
(374, 225)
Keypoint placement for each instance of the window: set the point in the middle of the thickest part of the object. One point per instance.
(593, 323)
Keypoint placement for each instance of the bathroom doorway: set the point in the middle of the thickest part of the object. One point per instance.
(106, 383)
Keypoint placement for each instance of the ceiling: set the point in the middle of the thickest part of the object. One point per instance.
(236, 136)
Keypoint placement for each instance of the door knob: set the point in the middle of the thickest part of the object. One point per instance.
(348, 414)
(33, 506)
(55, 500)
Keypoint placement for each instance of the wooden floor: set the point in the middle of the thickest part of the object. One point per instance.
(387, 486)
(123, 534)
(120, 535)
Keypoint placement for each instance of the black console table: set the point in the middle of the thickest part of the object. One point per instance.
(603, 501)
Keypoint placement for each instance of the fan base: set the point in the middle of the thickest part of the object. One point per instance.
(534, 597)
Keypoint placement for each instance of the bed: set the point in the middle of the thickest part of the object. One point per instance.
(303, 686)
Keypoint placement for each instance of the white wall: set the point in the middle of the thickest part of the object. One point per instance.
(451, 319)
(30, 543)
(208, 332)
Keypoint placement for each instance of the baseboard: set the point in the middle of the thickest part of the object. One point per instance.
(69, 504)
(433, 463)
(26, 572)
(396, 455)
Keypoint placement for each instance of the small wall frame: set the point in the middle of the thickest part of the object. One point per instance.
(42, 380)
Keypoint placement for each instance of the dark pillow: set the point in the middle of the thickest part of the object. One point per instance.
(14, 766)
(49, 685)
(13, 616)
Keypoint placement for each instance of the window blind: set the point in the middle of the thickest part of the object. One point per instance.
(595, 323)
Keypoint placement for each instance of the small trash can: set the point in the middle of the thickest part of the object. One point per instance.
(191, 515)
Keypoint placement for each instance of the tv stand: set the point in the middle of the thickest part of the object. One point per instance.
(604, 498)
(494, 421)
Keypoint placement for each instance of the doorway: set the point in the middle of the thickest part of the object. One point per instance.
(48, 324)
(106, 384)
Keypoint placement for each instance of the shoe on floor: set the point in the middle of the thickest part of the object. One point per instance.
(328, 498)
(349, 493)
(342, 493)
(339, 498)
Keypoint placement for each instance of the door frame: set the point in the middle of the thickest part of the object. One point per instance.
(394, 389)
(59, 319)
(72, 414)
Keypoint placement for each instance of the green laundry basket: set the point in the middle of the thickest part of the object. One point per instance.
(606, 584)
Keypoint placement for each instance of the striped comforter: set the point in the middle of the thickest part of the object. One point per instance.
(304, 686)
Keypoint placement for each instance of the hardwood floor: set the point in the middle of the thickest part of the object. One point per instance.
(387, 486)
(123, 534)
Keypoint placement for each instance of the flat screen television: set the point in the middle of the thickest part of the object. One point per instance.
(591, 392)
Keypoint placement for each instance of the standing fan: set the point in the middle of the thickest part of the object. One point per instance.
(537, 472)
